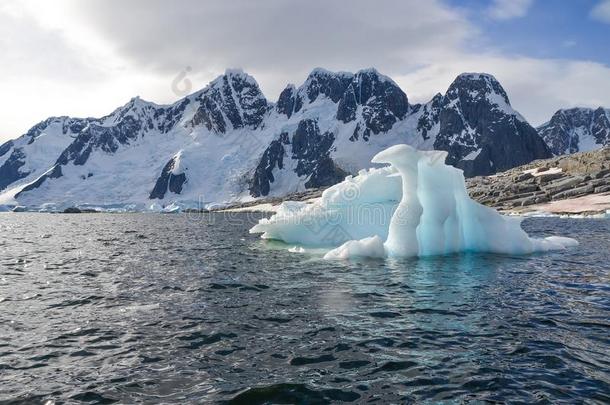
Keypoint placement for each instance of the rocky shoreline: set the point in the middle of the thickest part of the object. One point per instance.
(542, 184)
(570, 184)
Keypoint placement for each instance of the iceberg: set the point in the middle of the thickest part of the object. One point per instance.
(416, 206)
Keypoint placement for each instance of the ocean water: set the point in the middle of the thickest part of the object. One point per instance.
(129, 308)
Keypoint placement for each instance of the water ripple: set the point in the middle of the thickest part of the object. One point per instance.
(106, 309)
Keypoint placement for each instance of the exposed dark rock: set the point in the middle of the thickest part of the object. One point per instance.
(473, 122)
(54, 173)
(602, 173)
(475, 115)
(325, 173)
(76, 210)
(523, 177)
(272, 158)
(545, 178)
(5, 148)
(430, 115)
(168, 118)
(107, 139)
(287, 101)
(582, 174)
(309, 148)
(346, 111)
(168, 180)
(235, 96)
(524, 188)
(383, 103)
(568, 129)
(10, 170)
(563, 184)
(330, 84)
(602, 189)
(573, 192)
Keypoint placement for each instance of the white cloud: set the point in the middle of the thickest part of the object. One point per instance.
(276, 37)
(601, 11)
(509, 9)
(536, 87)
(70, 57)
(114, 49)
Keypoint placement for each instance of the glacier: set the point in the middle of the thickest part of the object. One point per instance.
(416, 206)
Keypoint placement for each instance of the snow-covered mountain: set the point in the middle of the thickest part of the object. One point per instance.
(351, 117)
(577, 130)
(226, 142)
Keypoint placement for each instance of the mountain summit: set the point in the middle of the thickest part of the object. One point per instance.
(226, 142)
(476, 124)
(577, 130)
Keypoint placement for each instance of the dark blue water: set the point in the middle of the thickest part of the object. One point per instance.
(192, 309)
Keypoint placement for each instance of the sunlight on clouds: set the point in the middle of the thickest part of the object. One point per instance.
(70, 57)
(536, 87)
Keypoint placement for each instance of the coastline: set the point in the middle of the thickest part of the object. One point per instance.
(590, 206)
(576, 185)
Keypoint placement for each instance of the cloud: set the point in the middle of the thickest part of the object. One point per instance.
(509, 9)
(601, 11)
(32, 51)
(113, 48)
(536, 87)
(70, 57)
(273, 37)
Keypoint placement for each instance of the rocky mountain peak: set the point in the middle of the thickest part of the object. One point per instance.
(477, 87)
(328, 127)
(136, 108)
(47, 139)
(287, 102)
(378, 101)
(577, 130)
(231, 101)
(475, 123)
(369, 83)
(330, 84)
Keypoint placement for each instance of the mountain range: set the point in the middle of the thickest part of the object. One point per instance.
(577, 130)
(227, 142)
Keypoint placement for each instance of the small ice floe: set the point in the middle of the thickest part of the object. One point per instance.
(140, 308)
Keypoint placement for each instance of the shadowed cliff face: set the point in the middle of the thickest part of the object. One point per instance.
(232, 101)
(168, 180)
(310, 152)
(479, 129)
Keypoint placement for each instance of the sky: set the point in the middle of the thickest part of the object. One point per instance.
(87, 57)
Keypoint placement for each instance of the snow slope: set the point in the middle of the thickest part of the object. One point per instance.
(226, 142)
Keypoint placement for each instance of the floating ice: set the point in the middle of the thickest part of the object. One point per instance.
(418, 206)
